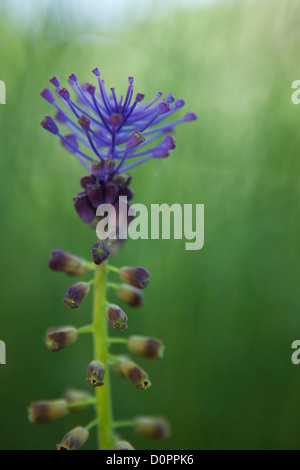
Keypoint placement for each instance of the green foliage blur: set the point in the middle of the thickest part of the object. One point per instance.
(228, 313)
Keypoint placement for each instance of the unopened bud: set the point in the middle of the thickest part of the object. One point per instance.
(100, 252)
(116, 317)
(137, 277)
(62, 261)
(154, 427)
(41, 412)
(97, 168)
(84, 208)
(49, 124)
(84, 123)
(95, 374)
(76, 293)
(123, 445)
(150, 348)
(135, 374)
(73, 396)
(74, 439)
(135, 139)
(116, 366)
(130, 295)
(122, 178)
(59, 338)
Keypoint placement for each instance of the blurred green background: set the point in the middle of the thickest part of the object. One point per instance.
(228, 313)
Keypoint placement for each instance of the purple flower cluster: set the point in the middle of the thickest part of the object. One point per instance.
(110, 134)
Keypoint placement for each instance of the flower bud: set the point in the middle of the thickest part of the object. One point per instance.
(62, 261)
(163, 108)
(137, 277)
(41, 412)
(190, 116)
(49, 124)
(73, 396)
(87, 180)
(63, 92)
(134, 140)
(84, 123)
(122, 178)
(95, 374)
(150, 348)
(100, 252)
(96, 194)
(76, 293)
(48, 95)
(116, 317)
(84, 208)
(97, 168)
(116, 366)
(59, 338)
(123, 445)
(54, 81)
(130, 295)
(74, 439)
(154, 427)
(135, 374)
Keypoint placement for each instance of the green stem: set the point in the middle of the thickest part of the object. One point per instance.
(117, 340)
(103, 395)
(123, 424)
(112, 285)
(114, 269)
(89, 401)
(90, 266)
(114, 359)
(85, 329)
(91, 424)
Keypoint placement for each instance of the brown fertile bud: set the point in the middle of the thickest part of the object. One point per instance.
(73, 396)
(135, 374)
(62, 261)
(41, 412)
(116, 317)
(150, 348)
(59, 338)
(95, 374)
(116, 366)
(154, 427)
(76, 293)
(137, 277)
(100, 252)
(123, 445)
(130, 295)
(74, 439)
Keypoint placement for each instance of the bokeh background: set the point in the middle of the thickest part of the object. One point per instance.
(228, 313)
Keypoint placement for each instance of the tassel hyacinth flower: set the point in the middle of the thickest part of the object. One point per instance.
(109, 135)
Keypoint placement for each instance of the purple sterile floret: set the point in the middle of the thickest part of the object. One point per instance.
(49, 124)
(103, 126)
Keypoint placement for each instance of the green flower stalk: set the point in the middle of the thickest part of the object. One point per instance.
(109, 136)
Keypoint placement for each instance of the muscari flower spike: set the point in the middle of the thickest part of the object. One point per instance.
(110, 135)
